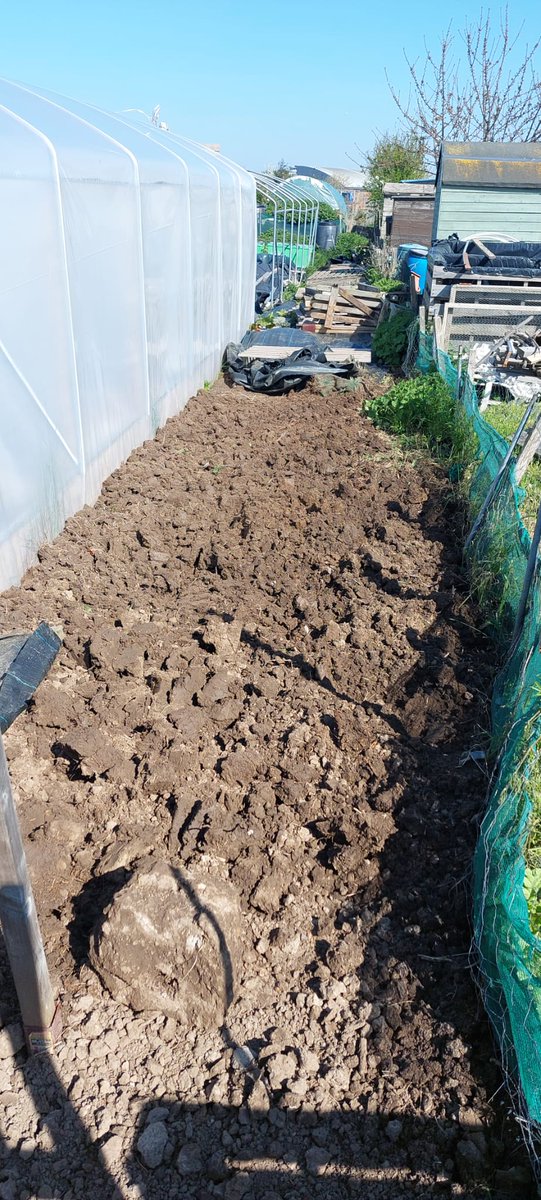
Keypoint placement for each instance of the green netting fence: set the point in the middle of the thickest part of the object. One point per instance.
(508, 953)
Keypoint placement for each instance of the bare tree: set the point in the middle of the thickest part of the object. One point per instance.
(485, 91)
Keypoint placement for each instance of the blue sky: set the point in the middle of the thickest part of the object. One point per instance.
(282, 79)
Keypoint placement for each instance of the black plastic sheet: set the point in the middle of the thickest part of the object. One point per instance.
(275, 378)
(510, 258)
(25, 660)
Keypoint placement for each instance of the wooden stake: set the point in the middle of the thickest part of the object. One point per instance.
(331, 307)
(20, 927)
(354, 300)
(529, 451)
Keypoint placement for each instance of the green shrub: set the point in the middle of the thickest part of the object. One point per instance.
(327, 212)
(426, 406)
(384, 283)
(390, 339)
(350, 245)
(320, 260)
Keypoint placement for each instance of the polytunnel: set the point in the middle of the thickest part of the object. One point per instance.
(128, 263)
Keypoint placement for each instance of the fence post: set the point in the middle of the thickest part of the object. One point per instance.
(19, 922)
(24, 662)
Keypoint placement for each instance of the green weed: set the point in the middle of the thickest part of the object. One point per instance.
(384, 283)
(390, 339)
(352, 246)
(492, 583)
(425, 408)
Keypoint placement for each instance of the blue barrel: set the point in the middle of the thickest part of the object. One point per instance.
(418, 265)
(412, 259)
(327, 233)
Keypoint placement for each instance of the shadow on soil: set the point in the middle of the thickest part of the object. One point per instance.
(235, 1152)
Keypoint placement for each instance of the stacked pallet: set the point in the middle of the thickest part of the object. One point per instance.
(346, 308)
(469, 307)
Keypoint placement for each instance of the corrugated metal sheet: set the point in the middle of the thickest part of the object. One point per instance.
(467, 210)
(511, 164)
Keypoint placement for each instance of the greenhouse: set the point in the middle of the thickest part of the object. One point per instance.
(128, 264)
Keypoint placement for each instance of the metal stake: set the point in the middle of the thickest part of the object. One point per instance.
(526, 586)
(497, 478)
(20, 927)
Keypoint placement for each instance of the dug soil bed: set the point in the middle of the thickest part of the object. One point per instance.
(263, 707)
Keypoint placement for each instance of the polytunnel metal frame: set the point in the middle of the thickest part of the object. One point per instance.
(292, 210)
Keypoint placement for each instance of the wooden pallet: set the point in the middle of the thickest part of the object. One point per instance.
(342, 309)
(440, 282)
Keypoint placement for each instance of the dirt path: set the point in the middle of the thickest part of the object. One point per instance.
(267, 674)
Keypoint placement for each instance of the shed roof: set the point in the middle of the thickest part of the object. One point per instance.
(507, 164)
(416, 189)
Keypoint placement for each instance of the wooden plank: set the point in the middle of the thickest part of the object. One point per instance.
(324, 297)
(269, 353)
(333, 354)
(343, 354)
(458, 275)
(483, 309)
(355, 301)
(345, 310)
(349, 329)
(358, 323)
(330, 310)
(412, 221)
(365, 292)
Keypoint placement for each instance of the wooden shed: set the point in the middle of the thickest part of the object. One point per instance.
(489, 187)
(408, 212)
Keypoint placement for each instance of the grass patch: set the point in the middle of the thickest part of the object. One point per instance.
(505, 418)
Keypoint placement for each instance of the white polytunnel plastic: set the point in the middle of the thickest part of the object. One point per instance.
(128, 261)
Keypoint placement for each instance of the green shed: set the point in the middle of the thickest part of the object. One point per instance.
(489, 187)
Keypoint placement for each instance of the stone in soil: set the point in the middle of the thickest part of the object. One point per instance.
(161, 944)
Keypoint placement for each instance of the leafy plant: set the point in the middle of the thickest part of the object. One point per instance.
(390, 339)
(327, 212)
(350, 246)
(384, 283)
(320, 260)
(426, 406)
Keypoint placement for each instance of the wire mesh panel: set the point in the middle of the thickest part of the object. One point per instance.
(469, 323)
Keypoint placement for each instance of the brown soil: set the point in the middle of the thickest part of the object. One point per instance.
(269, 661)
